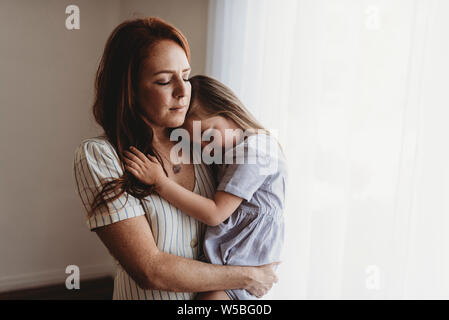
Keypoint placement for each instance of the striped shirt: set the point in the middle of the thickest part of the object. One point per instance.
(174, 232)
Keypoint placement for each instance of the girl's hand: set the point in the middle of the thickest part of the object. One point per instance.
(145, 168)
(263, 278)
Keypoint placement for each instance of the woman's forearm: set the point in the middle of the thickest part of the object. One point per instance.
(173, 273)
(131, 242)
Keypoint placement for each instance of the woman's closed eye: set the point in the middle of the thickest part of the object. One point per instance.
(164, 83)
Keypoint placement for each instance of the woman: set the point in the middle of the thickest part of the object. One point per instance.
(142, 92)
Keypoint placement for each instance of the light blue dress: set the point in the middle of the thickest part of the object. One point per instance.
(254, 234)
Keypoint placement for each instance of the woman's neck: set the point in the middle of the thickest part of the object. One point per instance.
(161, 138)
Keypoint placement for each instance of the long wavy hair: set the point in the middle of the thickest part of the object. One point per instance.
(116, 109)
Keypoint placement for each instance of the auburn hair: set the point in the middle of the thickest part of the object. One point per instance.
(115, 107)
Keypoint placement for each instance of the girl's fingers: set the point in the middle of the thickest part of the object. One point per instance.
(131, 163)
(132, 157)
(139, 154)
(154, 159)
(133, 171)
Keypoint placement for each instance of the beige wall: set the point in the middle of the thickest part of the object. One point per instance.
(46, 92)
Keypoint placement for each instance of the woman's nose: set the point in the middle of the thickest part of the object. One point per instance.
(182, 89)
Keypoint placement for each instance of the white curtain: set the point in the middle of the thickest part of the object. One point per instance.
(358, 92)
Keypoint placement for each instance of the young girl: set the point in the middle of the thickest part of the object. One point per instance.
(245, 221)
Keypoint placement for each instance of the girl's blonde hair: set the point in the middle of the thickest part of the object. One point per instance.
(212, 98)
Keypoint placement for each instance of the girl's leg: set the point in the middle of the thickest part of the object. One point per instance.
(212, 295)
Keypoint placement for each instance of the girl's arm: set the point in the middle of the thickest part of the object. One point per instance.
(211, 212)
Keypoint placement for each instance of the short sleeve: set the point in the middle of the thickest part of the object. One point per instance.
(95, 162)
(248, 172)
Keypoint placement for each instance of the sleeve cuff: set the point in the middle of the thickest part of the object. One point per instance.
(235, 191)
(104, 219)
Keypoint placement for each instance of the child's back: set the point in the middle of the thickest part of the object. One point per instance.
(254, 233)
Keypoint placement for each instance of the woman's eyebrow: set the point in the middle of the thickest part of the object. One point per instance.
(170, 71)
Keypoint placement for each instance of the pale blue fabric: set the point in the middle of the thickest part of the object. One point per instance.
(254, 234)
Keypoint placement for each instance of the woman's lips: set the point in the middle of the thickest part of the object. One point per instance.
(178, 109)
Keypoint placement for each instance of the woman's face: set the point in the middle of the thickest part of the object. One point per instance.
(163, 91)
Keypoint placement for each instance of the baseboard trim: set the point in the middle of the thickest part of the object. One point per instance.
(53, 277)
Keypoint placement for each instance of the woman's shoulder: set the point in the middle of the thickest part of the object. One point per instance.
(93, 148)
(96, 156)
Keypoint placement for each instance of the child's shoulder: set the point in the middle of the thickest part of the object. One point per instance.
(263, 145)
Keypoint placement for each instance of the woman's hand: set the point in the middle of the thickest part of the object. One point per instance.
(145, 168)
(263, 278)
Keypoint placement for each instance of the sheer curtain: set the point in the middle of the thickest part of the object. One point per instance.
(358, 94)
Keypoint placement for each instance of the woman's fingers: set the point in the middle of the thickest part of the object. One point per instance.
(264, 278)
